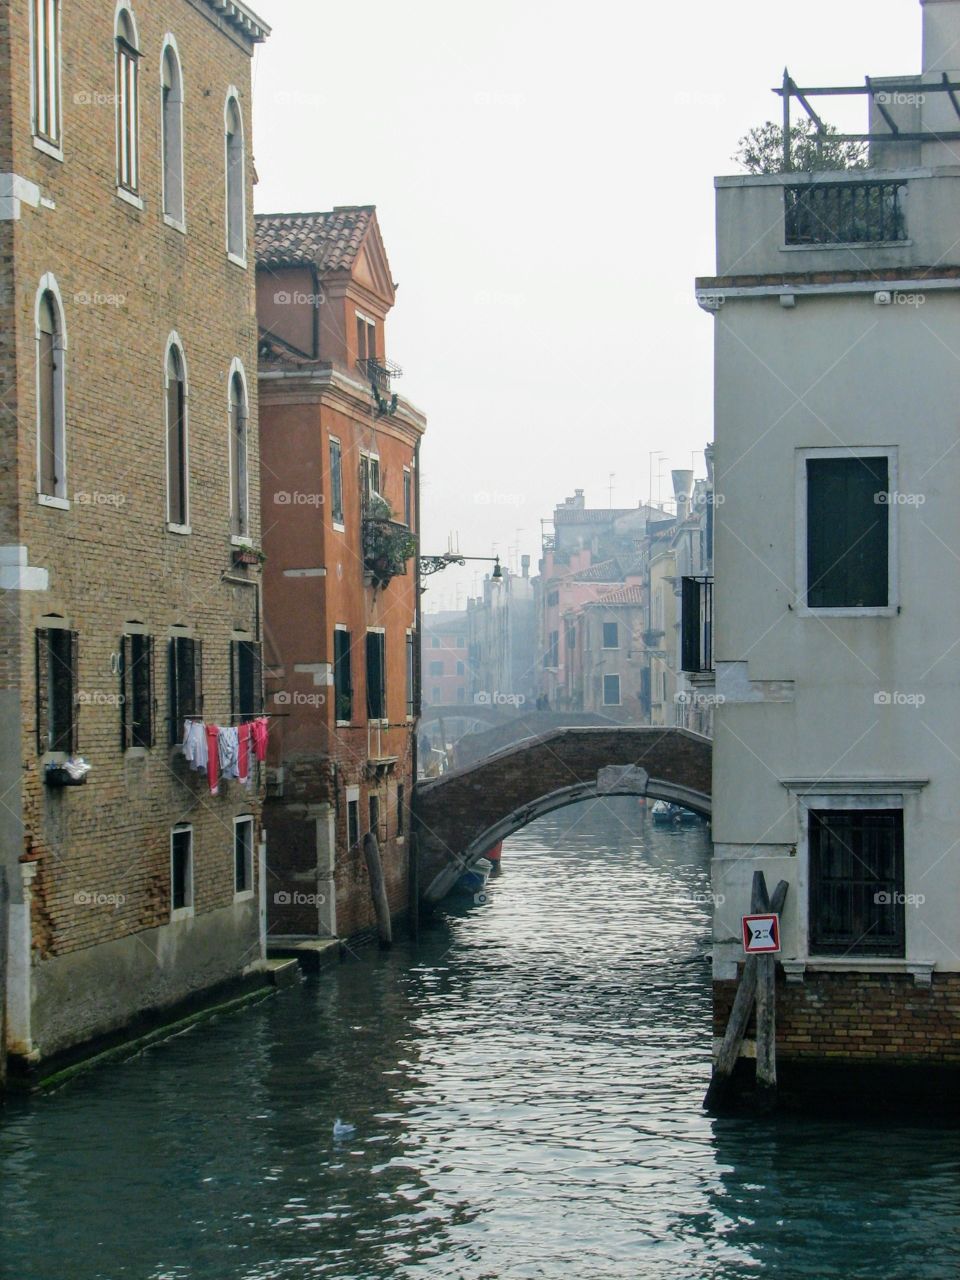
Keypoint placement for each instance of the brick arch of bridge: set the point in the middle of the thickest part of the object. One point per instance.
(463, 813)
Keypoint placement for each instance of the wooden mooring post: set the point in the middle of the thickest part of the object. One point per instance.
(378, 889)
(757, 986)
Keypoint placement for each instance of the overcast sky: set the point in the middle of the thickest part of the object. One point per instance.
(543, 178)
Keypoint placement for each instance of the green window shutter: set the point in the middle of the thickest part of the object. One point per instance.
(848, 517)
(126, 694)
(42, 647)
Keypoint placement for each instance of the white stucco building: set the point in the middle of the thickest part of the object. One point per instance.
(836, 305)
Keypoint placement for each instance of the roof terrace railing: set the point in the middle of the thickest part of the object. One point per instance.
(854, 212)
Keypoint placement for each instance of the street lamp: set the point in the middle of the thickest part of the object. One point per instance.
(434, 564)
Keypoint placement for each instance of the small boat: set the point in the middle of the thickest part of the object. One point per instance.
(666, 814)
(493, 855)
(475, 879)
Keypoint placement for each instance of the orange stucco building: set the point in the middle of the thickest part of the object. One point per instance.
(339, 509)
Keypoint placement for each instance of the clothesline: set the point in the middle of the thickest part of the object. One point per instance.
(224, 751)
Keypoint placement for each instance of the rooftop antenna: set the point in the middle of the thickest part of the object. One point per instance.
(654, 453)
(610, 487)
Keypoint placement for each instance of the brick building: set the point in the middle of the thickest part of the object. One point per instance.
(339, 505)
(128, 489)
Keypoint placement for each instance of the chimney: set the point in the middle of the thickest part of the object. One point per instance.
(525, 566)
(682, 489)
(941, 35)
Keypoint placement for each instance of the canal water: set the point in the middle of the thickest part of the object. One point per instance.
(525, 1092)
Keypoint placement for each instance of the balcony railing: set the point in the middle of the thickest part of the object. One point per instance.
(379, 373)
(696, 625)
(845, 213)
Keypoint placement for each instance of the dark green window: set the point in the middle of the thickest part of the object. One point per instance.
(342, 680)
(376, 676)
(848, 516)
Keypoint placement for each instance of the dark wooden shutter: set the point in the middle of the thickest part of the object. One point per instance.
(234, 680)
(256, 676)
(847, 532)
(197, 652)
(173, 690)
(126, 693)
(43, 689)
(73, 705)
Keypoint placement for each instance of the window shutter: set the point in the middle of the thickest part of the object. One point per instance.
(43, 690)
(126, 694)
(197, 708)
(150, 731)
(234, 680)
(256, 661)
(74, 736)
(173, 691)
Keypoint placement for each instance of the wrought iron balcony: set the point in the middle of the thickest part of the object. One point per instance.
(828, 213)
(379, 373)
(696, 625)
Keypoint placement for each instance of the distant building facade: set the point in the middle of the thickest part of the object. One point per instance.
(502, 639)
(339, 502)
(445, 657)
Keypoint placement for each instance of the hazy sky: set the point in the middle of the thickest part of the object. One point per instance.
(543, 178)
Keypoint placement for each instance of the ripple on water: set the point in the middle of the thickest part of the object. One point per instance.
(526, 1093)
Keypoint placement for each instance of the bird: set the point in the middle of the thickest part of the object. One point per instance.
(343, 1130)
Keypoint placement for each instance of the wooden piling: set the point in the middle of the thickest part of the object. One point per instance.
(414, 887)
(756, 971)
(378, 889)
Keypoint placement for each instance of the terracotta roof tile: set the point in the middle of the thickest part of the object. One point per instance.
(623, 595)
(329, 240)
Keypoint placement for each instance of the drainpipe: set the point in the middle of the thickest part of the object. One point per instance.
(413, 878)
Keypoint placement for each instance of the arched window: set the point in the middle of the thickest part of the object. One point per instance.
(45, 36)
(239, 498)
(178, 505)
(51, 418)
(236, 193)
(128, 60)
(171, 133)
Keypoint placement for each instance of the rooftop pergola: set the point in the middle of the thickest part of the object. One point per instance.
(876, 93)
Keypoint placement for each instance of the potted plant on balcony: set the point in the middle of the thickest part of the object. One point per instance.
(387, 545)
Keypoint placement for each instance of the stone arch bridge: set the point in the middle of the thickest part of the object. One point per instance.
(465, 812)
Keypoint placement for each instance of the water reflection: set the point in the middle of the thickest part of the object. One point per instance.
(526, 1092)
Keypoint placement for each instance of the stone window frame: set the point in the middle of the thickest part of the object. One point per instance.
(604, 623)
(50, 142)
(336, 491)
(892, 607)
(171, 138)
(612, 675)
(187, 911)
(383, 720)
(240, 535)
(127, 108)
(853, 793)
(48, 286)
(352, 796)
(344, 629)
(248, 820)
(174, 341)
(234, 179)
